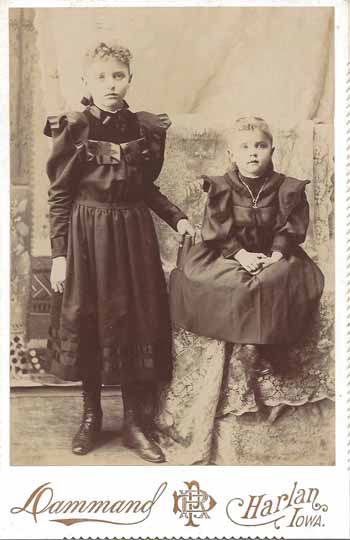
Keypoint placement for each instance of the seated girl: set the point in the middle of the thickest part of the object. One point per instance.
(249, 282)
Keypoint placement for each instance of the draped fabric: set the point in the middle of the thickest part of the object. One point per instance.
(273, 62)
(206, 416)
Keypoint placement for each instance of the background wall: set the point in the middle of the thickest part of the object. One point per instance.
(274, 62)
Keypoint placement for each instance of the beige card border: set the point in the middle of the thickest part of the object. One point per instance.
(333, 481)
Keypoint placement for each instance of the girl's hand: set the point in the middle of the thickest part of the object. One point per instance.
(252, 262)
(275, 257)
(58, 274)
(185, 227)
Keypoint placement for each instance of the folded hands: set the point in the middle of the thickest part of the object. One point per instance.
(255, 262)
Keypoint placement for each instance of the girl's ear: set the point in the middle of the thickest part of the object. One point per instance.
(272, 150)
(130, 78)
(87, 97)
(230, 155)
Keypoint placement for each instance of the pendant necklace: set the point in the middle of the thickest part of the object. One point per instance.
(254, 199)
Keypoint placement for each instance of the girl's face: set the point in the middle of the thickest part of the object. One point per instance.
(252, 152)
(107, 80)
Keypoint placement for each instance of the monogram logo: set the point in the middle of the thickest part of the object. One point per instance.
(193, 503)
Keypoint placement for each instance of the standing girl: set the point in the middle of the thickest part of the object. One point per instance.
(110, 309)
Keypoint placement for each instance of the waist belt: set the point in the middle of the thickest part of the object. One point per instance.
(107, 202)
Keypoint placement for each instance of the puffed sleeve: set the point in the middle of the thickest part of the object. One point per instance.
(293, 218)
(62, 169)
(218, 226)
(154, 129)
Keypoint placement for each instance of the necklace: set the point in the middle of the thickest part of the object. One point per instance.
(254, 199)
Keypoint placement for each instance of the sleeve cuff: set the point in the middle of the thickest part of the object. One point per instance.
(59, 246)
(178, 217)
(281, 243)
(230, 253)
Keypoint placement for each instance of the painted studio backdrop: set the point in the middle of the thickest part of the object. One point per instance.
(204, 67)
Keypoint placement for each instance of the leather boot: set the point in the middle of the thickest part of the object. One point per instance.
(277, 356)
(91, 423)
(248, 357)
(134, 431)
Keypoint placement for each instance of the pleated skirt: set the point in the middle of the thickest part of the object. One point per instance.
(113, 316)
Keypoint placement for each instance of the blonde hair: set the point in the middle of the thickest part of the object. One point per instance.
(250, 123)
(111, 50)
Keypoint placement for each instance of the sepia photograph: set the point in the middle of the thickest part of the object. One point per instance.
(172, 283)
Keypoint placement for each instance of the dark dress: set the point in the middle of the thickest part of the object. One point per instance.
(113, 315)
(215, 296)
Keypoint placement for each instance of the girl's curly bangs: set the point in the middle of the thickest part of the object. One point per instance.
(114, 50)
(250, 123)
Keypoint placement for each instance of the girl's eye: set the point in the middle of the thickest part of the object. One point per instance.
(101, 76)
(118, 76)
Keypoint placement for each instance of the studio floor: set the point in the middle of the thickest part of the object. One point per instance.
(44, 420)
